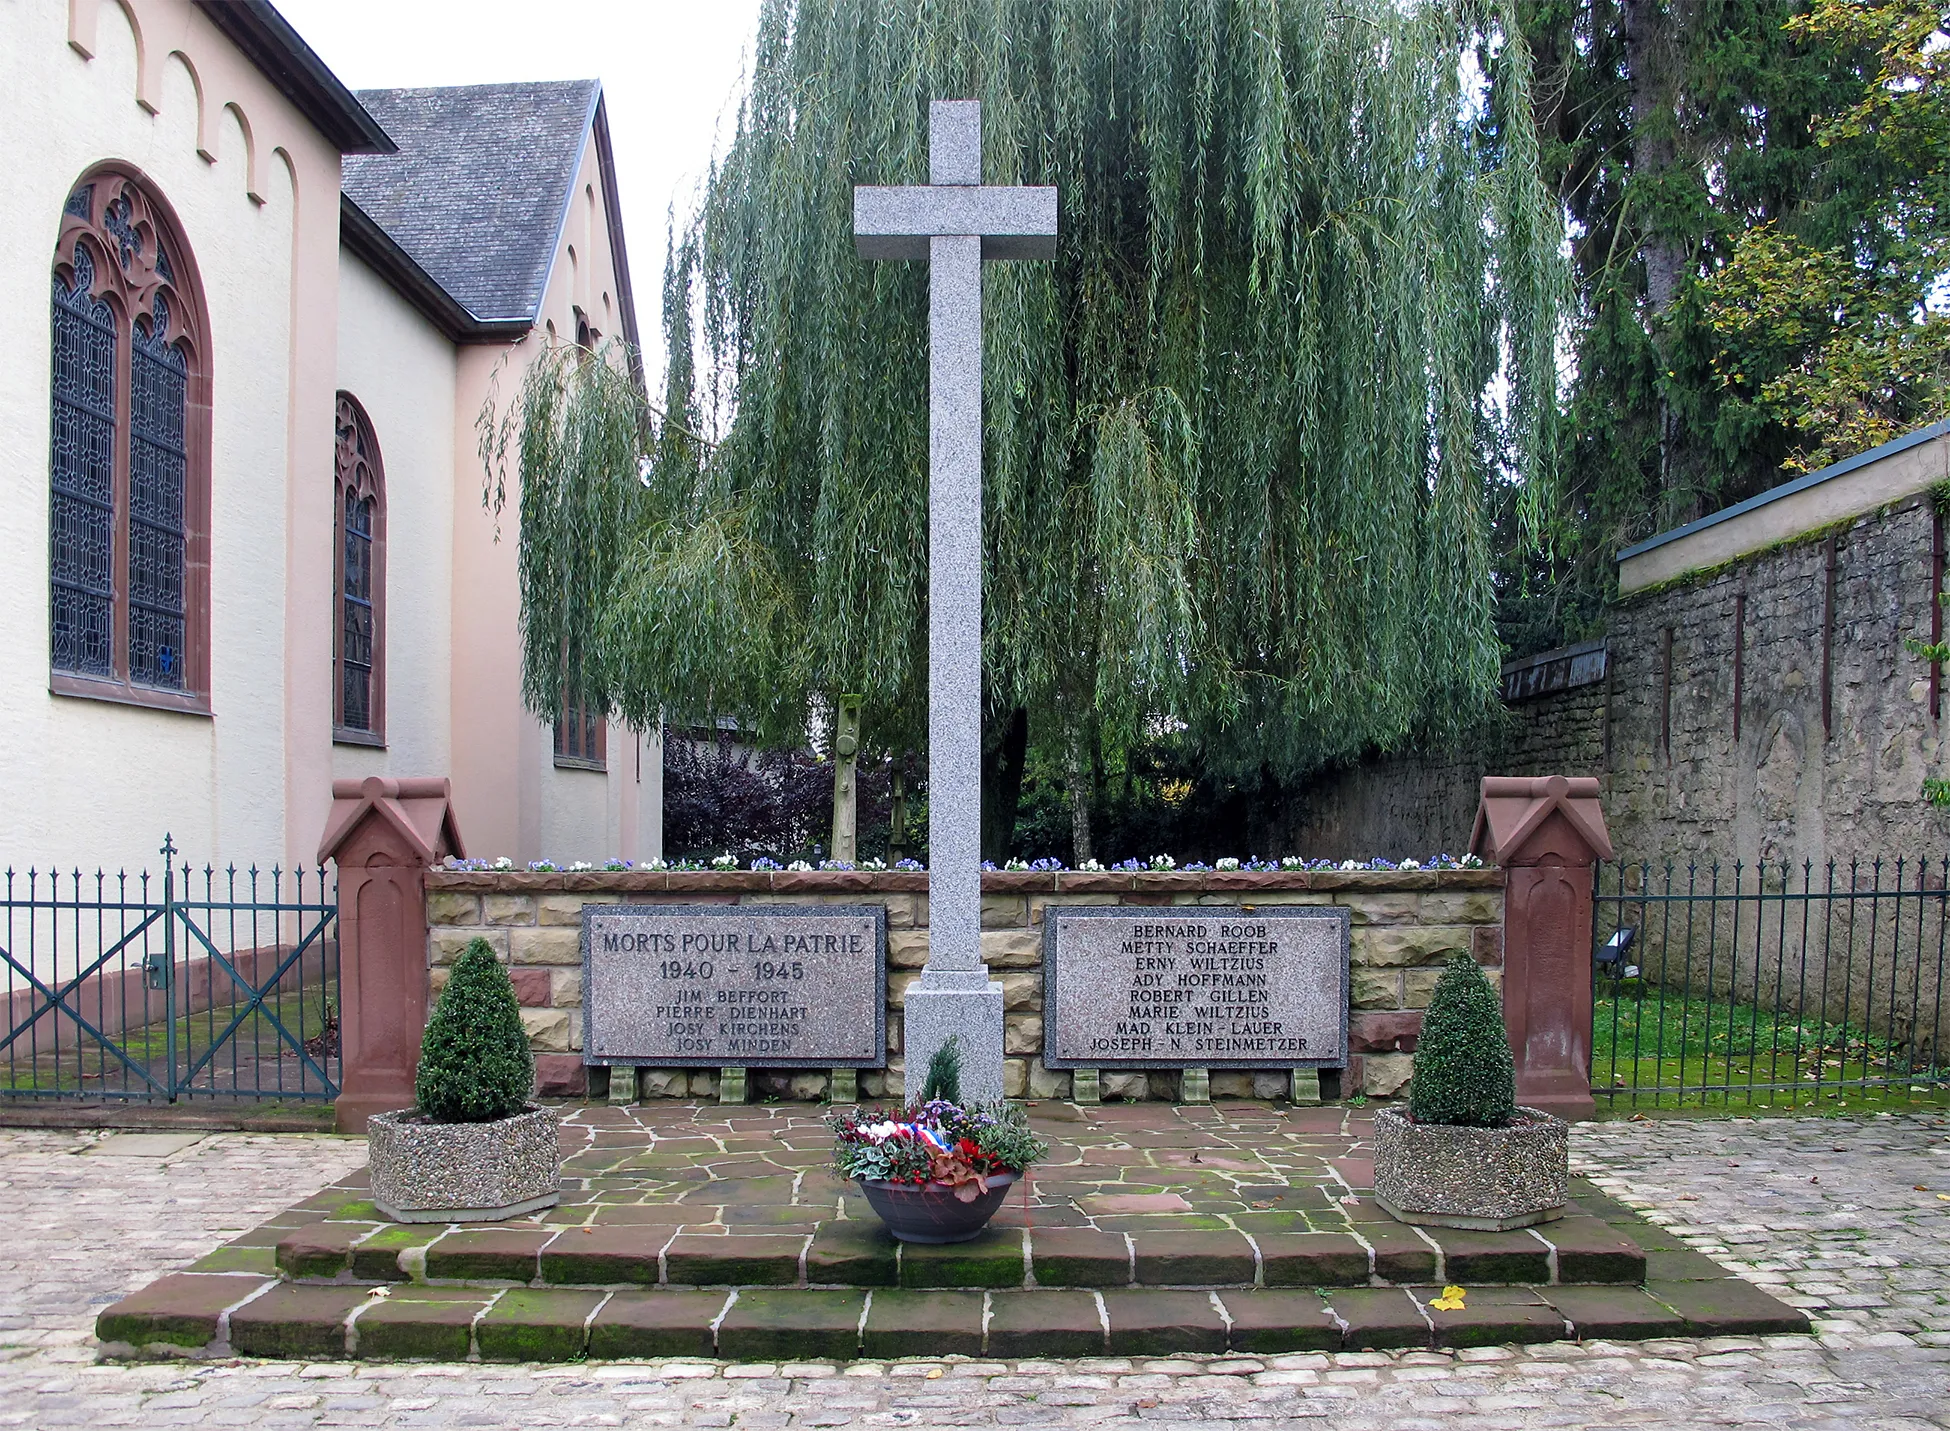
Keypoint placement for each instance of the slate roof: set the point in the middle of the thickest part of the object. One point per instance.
(480, 186)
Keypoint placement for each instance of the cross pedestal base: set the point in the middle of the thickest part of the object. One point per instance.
(941, 1005)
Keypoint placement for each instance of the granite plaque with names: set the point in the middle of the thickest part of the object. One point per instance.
(1195, 986)
(716, 985)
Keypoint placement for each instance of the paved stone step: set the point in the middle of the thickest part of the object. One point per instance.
(661, 1248)
(252, 1315)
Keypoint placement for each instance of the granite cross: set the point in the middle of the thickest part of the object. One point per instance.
(955, 222)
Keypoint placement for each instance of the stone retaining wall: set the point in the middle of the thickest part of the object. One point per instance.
(1406, 924)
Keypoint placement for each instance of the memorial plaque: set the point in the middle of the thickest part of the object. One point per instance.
(1195, 986)
(709, 986)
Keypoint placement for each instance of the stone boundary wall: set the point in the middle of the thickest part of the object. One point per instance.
(1406, 924)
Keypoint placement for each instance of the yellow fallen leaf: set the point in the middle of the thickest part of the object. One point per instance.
(1943, 1197)
(934, 1373)
(381, 1292)
(1451, 1300)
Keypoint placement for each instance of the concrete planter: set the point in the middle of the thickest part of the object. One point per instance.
(463, 1172)
(1489, 1179)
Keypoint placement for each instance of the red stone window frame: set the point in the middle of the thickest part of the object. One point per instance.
(581, 738)
(359, 475)
(136, 257)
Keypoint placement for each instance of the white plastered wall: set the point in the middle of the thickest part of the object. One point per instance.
(402, 370)
(93, 783)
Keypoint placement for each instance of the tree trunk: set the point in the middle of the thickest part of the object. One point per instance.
(1077, 771)
(1652, 68)
(897, 816)
(846, 761)
(1003, 750)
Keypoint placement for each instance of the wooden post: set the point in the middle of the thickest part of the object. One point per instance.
(383, 834)
(846, 795)
(1547, 832)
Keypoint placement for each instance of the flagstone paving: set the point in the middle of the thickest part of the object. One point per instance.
(1147, 1230)
(1841, 1217)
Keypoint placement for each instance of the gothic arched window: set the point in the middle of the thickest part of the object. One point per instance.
(128, 499)
(359, 581)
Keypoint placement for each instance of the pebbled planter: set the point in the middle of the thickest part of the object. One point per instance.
(463, 1172)
(1487, 1179)
(932, 1212)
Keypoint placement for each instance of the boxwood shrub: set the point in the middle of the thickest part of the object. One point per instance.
(475, 1065)
(1464, 1075)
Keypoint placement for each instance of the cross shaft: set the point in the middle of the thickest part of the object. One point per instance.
(955, 222)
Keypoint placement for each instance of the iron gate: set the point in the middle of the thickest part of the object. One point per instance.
(185, 985)
(1770, 984)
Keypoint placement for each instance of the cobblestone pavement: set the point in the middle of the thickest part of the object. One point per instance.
(1848, 1219)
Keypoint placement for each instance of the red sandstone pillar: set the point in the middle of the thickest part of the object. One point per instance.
(1546, 832)
(384, 834)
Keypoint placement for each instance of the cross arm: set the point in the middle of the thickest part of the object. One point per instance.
(897, 222)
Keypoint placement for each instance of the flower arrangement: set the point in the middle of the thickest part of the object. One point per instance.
(937, 1142)
(1155, 864)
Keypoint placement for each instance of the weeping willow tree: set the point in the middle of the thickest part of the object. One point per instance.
(1242, 436)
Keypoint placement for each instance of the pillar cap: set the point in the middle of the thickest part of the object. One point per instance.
(420, 808)
(1522, 819)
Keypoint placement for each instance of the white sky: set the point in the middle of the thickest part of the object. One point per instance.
(671, 73)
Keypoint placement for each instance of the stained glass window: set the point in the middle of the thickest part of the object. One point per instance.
(81, 554)
(158, 465)
(127, 513)
(360, 562)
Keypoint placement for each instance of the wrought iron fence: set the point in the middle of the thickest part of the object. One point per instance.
(188, 984)
(1769, 984)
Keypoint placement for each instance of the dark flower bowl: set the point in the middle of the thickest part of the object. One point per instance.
(930, 1212)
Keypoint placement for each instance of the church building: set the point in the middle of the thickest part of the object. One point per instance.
(243, 547)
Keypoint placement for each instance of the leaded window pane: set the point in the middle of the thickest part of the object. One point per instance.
(158, 471)
(81, 500)
(356, 639)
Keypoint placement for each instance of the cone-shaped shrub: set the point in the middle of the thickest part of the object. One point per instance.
(1464, 1075)
(474, 1061)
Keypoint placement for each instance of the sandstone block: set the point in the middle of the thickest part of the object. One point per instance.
(1022, 990)
(1012, 948)
(1015, 1077)
(445, 945)
(1129, 1086)
(546, 946)
(1408, 946)
(561, 908)
(898, 982)
(508, 908)
(1231, 1083)
(1040, 902)
(1383, 1075)
(1048, 1082)
(446, 907)
(1004, 911)
(906, 911)
(664, 1082)
(565, 988)
(907, 948)
(1463, 906)
(1390, 907)
(1022, 1033)
(1375, 989)
(548, 1029)
(704, 1083)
